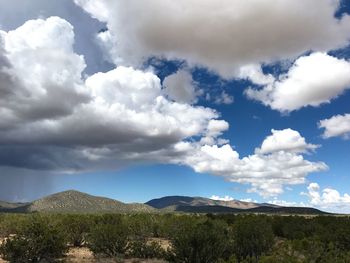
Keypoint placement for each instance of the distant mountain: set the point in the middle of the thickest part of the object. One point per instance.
(77, 202)
(6, 206)
(205, 205)
(174, 202)
(291, 210)
(255, 210)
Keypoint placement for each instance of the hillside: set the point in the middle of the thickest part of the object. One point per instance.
(77, 202)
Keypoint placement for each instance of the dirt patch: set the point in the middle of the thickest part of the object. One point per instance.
(1, 260)
(81, 254)
(164, 243)
(144, 261)
(84, 255)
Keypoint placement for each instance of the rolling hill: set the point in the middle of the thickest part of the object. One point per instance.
(77, 202)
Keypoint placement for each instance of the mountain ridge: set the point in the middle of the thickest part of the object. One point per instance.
(206, 205)
(163, 202)
(72, 201)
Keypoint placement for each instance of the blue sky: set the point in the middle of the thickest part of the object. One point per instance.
(196, 103)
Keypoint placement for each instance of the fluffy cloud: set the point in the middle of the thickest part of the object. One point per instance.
(311, 81)
(180, 87)
(224, 98)
(222, 36)
(214, 130)
(42, 73)
(53, 119)
(328, 198)
(278, 202)
(338, 125)
(266, 171)
(225, 198)
(285, 140)
(255, 74)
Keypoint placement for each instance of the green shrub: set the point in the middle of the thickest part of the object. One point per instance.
(253, 237)
(140, 225)
(283, 252)
(37, 241)
(111, 219)
(205, 242)
(11, 224)
(76, 228)
(143, 249)
(108, 240)
(293, 227)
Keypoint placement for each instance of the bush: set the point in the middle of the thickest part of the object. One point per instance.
(37, 241)
(142, 249)
(76, 228)
(205, 242)
(253, 237)
(109, 219)
(283, 252)
(293, 227)
(11, 224)
(140, 225)
(108, 240)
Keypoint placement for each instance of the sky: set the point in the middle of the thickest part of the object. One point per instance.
(135, 100)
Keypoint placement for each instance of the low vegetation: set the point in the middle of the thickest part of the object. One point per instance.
(177, 237)
(37, 240)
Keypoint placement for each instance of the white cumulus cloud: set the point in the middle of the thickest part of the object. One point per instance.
(285, 140)
(328, 198)
(311, 81)
(338, 125)
(225, 198)
(266, 172)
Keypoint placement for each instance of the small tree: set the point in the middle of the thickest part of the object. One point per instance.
(140, 225)
(108, 240)
(37, 241)
(76, 228)
(205, 242)
(253, 237)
